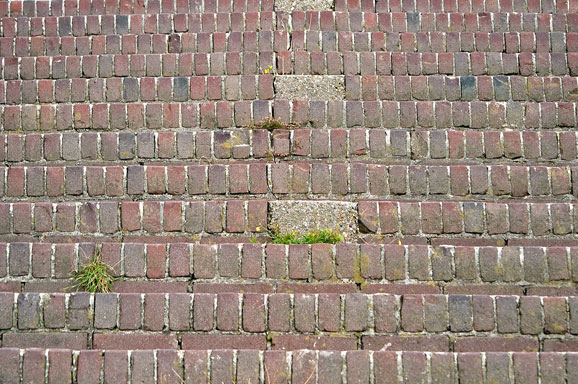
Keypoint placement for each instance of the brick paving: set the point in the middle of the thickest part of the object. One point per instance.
(131, 130)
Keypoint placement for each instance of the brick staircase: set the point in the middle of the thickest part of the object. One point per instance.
(438, 136)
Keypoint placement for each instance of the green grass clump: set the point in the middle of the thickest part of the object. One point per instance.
(94, 277)
(269, 124)
(286, 238)
(327, 236)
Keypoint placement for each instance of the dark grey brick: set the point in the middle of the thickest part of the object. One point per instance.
(130, 89)
(180, 88)
(127, 145)
(79, 311)
(64, 26)
(135, 179)
(121, 24)
(501, 88)
(468, 84)
(474, 217)
(29, 311)
(460, 307)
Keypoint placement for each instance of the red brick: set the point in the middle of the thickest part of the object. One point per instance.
(495, 344)
(45, 340)
(89, 365)
(179, 311)
(134, 341)
(433, 343)
(322, 261)
(200, 341)
(297, 342)
(33, 365)
(179, 260)
(60, 364)
(254, 313)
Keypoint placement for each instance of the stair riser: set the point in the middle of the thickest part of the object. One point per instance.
(345, 181)
(536, 320)
(334, 145)
(233, 267)
(249, 217)
(316, 114)
(224, 366)
(298, 21)
(367, 88)
(279, 41)
(287, 63)
(71, 8)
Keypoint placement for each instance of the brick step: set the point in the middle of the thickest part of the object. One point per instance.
(17, 8)
(355, 21)
(150, 23)
(265, 87)
(333, 145)
(149, 89)
(286, 63)
(295, 180)
(246, 366)
(318, 268)
(445, 323)
(87, 7)
(295, 21)
(467, 88)
(301, 113)
(482, 220)
(207, 42)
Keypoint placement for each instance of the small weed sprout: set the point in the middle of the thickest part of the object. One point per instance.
(94, 277)
(268, 70)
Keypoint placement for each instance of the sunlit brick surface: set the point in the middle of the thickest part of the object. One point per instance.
(173, 137)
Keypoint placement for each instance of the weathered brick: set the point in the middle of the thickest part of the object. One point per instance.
(105, 310)
(279, 312)
(356, 312)
(10, 371)
(460, 313)
(130, 311)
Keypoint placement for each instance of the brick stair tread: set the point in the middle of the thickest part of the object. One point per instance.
(527, 64)
(224, 365)
(389, 146)
(296, 179)
(324, 321)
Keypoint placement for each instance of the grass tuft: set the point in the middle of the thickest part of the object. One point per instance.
(94, 277)
(286, 238)
(269, 124)
(328, 236)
